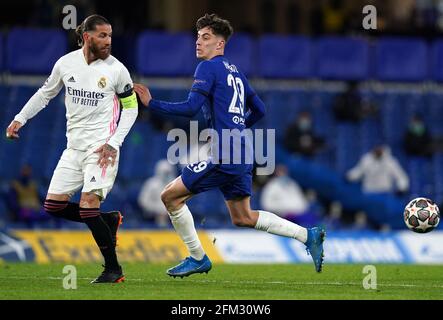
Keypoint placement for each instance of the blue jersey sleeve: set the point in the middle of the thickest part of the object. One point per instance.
(187, 108)
(204, 78)
(256, 107)
(257, 110)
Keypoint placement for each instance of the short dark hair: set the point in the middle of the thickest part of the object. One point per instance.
(218, 25)
(89, 24)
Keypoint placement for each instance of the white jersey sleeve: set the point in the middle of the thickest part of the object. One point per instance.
(124, 81)
(41, 98)
(129, 108)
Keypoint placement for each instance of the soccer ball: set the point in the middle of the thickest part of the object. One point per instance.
(421, 215)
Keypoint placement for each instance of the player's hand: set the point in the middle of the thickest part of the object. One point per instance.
(107, 156)
(12, 130)
(143, 93)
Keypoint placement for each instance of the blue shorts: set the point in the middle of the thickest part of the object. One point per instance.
(203, 176)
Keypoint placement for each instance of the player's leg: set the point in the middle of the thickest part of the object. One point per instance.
(237, 197)
(66, 180)
(98, 183)
(243, 216)
(90, 213)
(195, 179)
(58, 205)
(174, 196)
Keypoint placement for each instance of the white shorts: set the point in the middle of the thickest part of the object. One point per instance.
(77, 169)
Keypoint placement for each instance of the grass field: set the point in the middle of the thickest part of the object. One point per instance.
(225, 282)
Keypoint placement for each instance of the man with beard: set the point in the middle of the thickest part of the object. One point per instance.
(96, 84)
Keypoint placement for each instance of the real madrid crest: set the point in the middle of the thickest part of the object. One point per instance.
(102, 82)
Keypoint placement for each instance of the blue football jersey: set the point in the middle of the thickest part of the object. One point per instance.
(225, 109)
(229, 105)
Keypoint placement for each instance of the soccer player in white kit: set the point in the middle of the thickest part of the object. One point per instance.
(96, 84)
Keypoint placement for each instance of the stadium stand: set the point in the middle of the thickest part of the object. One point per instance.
(241, 51)
(436, 64)
(342, 58)
(284, 57)
(389, 59)
(1, 52)
(165, 54)
(399, 59)
(34, 51)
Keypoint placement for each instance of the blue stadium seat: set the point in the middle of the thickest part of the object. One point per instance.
(285, 57)
(437, 163)
(341, 58)
(4, 96)
(282, 108)
(370, 134)
(396, 108)
(435, 114)
(2, 55)
(348, 148)
(165, 54)
(436, 63)
(34, 51)
(320, 106)
(241, 51)
(419, 171)
(134, 153)
(398, 59)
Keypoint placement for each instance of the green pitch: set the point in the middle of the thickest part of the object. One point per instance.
(264, 282)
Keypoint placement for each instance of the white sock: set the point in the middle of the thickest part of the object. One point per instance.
(183, 223)
(272, 223)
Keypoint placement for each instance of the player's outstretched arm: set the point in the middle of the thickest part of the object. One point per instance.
(37, 102)
(12, 130)
(187, 108)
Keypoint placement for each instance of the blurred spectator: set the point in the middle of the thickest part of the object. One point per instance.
(284, 197)
(360, 222)
(417, 140)
(334, 14)
(333, 221)
(24, 200)
(401, 16)
(349, 106)
(149, 197)
(259, 181)
(300, 137)
(380, 172)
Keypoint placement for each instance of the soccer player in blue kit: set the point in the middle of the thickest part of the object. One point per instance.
(228, 103)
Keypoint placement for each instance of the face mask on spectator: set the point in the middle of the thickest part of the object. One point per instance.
(417, 128)
(304, 124)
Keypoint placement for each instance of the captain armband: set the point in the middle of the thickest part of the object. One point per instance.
(129, 102)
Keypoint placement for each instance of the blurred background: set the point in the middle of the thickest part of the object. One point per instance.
(357, 112)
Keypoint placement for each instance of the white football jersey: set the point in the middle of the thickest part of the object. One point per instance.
(92, 105)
